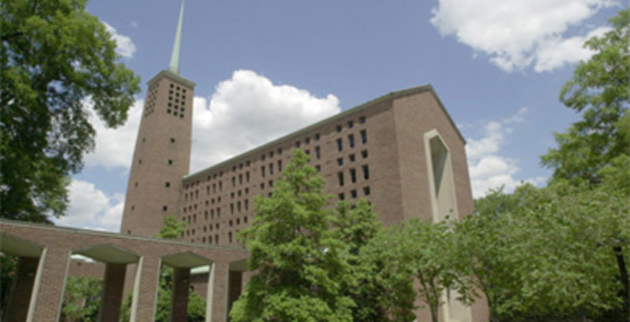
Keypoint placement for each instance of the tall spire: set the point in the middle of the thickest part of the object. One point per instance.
(174, 66)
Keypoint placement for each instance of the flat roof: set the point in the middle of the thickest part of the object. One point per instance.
(390, 96)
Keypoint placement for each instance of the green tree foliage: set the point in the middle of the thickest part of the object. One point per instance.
(600, 89)
(81, 299)
(55, 56)
(552, 253)
(380, 293)
(300, 264)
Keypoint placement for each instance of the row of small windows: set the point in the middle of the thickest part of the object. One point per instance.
(351, 141)
(177, 88)
(353, 194)
(350, 123)
(352, 157)
(353, 175)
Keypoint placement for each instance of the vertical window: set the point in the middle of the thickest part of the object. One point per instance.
(338, 128)
(362, 119)
(366, 191)
(350, 124)
(363, 136)
(340, 178)
(247, 176)
(339, 145)
(262, 171)
(366, 172)
(351, 140)
(233, 181)
(231, 209)
(240, 178)
(317, 136)
(279, 165)
(318, 152)
(339, 161)
(351, 157)
(342, 196)
(353, 194)
(246, 205)
(270, 168)
(353, 175)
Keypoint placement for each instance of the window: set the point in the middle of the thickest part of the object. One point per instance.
(364, 154)
(262, 171)
(247, 176)
(351, 157)
(340, 161)
(318, 168)
(307, 140)
(351, 140)
(342, 196)
(233, 181)
(170, 162)
(240, 178)
(231, 209)
(164, 208)
(338, 128)
(350, 124)
(318, 152)
(317, 136)
(366, 172)
(363, 136)
(270, 168)
(339, 145)
(353, 175)
(270, 183)
(366, 191)
(362, 119)
(279, 165)
(340, 178)
(353, 194)
(246, 204)
(167, 184)
(245, 219)
(297, 144)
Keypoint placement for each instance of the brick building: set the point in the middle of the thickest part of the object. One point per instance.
(402, 152)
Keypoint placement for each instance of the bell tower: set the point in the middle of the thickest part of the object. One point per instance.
(162, 152)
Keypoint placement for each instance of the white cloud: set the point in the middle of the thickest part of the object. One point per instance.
(518, 33)
(249, 110)
(124, 46)
(489, 170)
(114, 147)
(245, 111)
(91, 208)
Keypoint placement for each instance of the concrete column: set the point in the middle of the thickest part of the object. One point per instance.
(145, 289)
(179, 301)
(50, 282)
(113, 285)
(217, 293)
(21, 290)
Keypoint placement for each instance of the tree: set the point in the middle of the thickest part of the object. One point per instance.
(55, 57)
(81, 299)
(380, 294)
(600, 89)
(300, 264)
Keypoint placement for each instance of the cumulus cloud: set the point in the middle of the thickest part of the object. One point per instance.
(249, 110)
(114, 146)
(489, 170)
(91, 208)
(124, 46)
(520, 33)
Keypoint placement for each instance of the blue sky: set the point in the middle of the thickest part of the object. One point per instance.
(497, 66)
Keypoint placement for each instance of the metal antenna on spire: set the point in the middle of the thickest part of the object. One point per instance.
(174, 66)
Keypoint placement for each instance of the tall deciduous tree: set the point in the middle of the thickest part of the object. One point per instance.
(380, 293)
(300, 264)
(54, 57)
(600, 89)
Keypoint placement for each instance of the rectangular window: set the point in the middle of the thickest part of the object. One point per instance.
(353, 175)
(279, 165)
(353, 194)
(317, 136)
(240, 178)
(247, 176)
(362, 119)
(270, 168)
(339, 161)
(262, 171)
(350, 124)
(366, 172)
(233, 181)
(366, 191)
(339, 145)
(340, 178)
(351, 157)
(338, 128)
(318, 153)
(363, 136)
(297, 144)
(351, 140)
(342, 196)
